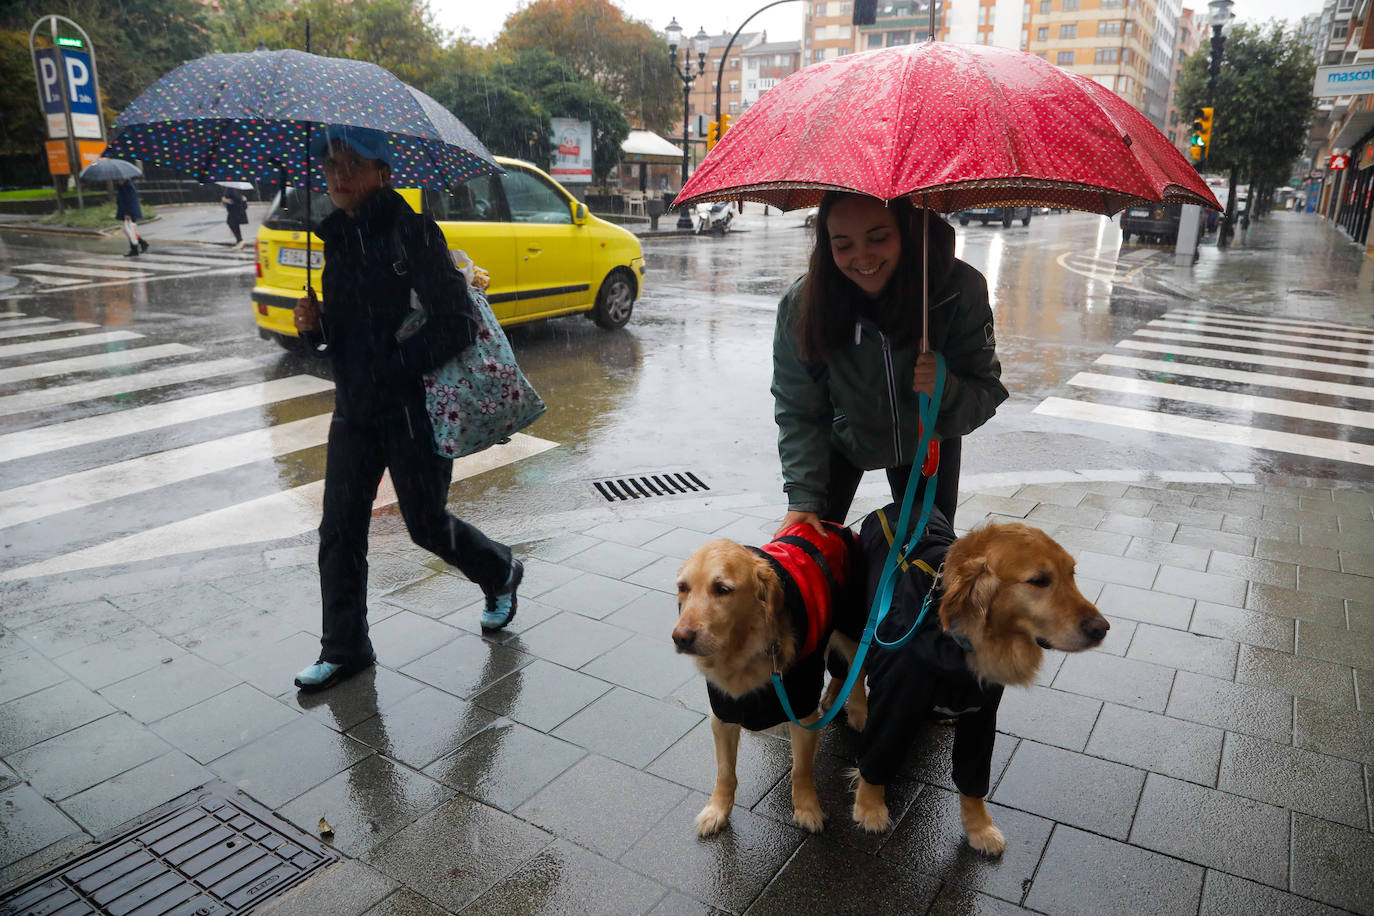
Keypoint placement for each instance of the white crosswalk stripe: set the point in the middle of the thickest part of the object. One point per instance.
(79, 271)
(8, 331)
(1210, 362)
(82, 270)
(285, 422)
(74, 342)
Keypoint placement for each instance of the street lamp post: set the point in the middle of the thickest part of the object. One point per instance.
(701, 43)
(1219, 17)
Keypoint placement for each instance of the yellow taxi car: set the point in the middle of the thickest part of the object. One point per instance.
(546, 255)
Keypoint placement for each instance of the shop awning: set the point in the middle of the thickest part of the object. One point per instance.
(647, 146)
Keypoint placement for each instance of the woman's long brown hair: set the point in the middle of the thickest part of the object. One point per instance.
(830, 302)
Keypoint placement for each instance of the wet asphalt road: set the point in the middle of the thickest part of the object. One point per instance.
(685, 386)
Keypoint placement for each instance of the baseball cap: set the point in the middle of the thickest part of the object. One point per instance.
(366, 142)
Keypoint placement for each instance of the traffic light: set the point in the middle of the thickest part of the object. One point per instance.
(1197, 147)
(712, 135)
(1203, 126)
(724, 126)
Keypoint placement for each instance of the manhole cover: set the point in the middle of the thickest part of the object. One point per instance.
(208, 856)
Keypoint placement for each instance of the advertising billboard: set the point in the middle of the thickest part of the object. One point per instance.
(572, 160)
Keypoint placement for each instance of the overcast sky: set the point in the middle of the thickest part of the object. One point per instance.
(483, 18)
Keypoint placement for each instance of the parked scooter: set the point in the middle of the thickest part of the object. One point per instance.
(712, 216)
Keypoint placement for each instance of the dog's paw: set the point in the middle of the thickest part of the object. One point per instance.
(809, 819)
(873, 818)
(989, 841)
(712, 820)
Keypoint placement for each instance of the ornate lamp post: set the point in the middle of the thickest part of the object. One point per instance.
(1219, 17)
(701, 42)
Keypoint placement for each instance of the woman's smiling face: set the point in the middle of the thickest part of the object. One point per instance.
(864, 241)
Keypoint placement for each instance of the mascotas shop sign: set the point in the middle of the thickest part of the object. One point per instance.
(1348, 79)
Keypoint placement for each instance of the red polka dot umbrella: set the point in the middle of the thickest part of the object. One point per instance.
(952, 126)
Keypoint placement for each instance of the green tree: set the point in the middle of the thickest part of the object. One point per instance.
(502, 113)
(624, 58)
(1262, 100)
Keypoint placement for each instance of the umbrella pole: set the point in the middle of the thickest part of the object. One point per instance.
(925, 275)
(309, 229)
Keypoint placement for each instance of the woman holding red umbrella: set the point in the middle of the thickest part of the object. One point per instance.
(848, 361)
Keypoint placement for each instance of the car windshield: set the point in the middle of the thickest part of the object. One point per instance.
(288, 210)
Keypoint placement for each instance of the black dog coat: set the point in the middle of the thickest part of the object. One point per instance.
(928, 677)
(820, 586)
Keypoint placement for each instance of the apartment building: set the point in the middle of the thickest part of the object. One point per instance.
(827, 30)
(902, 22)
(702, 100)
(1193, 32)
(1110, 41)
(765, 65)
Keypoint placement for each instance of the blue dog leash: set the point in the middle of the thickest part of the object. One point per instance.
(929, 406)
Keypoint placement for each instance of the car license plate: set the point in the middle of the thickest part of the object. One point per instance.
(1144, 213)
(295, 257)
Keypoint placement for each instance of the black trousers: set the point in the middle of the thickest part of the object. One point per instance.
(845, 477)
(359, 451)
(234, 228)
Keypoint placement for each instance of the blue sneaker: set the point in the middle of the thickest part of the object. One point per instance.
(500, 608)
(322, 675)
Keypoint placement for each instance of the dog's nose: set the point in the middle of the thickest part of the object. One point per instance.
(1095, 628)
(684, 638)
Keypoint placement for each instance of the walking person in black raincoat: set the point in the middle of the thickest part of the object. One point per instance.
(129, 211)
(380, 420)
(237, 207)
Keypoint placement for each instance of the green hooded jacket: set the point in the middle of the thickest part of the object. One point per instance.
(860, 401)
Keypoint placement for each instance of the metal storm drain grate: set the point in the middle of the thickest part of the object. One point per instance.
(675, 484)
(209, 857)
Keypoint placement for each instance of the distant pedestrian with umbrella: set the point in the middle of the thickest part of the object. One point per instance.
(377, 250)
(128, 210)
(237, 206)
(849, 359)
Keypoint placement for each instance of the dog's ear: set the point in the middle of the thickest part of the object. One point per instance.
(970, 586)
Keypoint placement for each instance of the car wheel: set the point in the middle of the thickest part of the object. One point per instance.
(1025, 221)
(1125, 236)
(963, 222)
(1006, 222)
(615, 300)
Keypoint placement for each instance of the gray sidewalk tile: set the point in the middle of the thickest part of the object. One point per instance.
(1188, 517)
(1249, 627)
(605, 806)
(285, 763)
(1115, 570)
(1048, 716)
(405, 902)
(436, 597)
(230, 639)
(272, 668)
(558, 548)
(182, 608)
(1364, 688)
(706, 521)
(1205, 586)
(1160, 744)
(985, 503)
(823, 871)
(1212, 828)
(1146, 606)
(1148, 528)
(954, 900)
(1250, 710)
(541, 577)
(1333, 539)
(611, 559)
(108, 804)
(1285, 602)
(1210, 538)
(1301, 677)
(1180, 555)
(223, 723)
(763, 762)
(678, 544)
(627, 726)
(1120, 505)
(466, 666)
(571, 639)
(405, 636)
(563, 878)
(1291, 552)
(1268, 531)
(348, 888)
(1359, 616)
(649, 666)
(1337, 584)
(1336, 644)
(1302, 780)
(1087, 792)
(1307, 518)
(1047, 515)
(728, 870)
(1227, 895)
(357, 698)
(47, 713)
(1335, 731)
(653, 614)
(679, 904)
(78, 626)
(1355, 562)
(1163, 493)
(1117, 680)
(660, 576)
(1270, 572)
(423, 727)
(541, 694)
(531, 613)
(118, 657)
(1245, 505)
(630, 532)
(78, 759)
(592, 595)
(1071, 880)
(1049, 494)
(32, 823)
(1118, 641)
(1075, 540)
(168, 688)
(1331, 863)
(930, 840)
(835, 788)
(504, 765)
(366, 803)
(1183, 649)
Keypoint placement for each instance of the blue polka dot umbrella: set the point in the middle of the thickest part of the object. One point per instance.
(249, 116)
